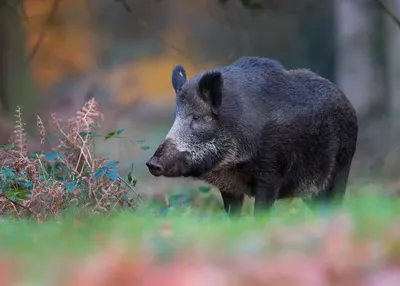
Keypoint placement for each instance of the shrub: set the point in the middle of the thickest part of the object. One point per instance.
(45, 184)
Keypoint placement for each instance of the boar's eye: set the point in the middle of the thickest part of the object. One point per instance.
(195, 117)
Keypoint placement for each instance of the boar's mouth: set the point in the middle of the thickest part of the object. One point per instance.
(167, 161)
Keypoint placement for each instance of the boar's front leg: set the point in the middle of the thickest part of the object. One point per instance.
(233, 203)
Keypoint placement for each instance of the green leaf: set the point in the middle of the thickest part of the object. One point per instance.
(8, 146)
(111, 164)
(28, 184)
(17, 194)
(114, 133)
(145, 147)
(51, 156)
(131, 180)
(141, 141)
(34, 154)
(100, 173)
(84, 134)
(112, 174)
(7, 173)
(110, 135)
(70, 186)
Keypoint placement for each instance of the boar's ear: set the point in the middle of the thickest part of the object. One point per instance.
(178, 77)
(210, 87)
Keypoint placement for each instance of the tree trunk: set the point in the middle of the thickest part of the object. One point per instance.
(361, 76)
(393, 74)
(5, 124)
(17, 85)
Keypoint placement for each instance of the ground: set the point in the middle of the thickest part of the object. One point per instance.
(195, 245)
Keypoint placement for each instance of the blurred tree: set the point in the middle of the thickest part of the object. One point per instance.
(368, 70)
(392, 25)
(5, 124)
(317, 33)
(298, 33)
(347, 42)
(17, 86)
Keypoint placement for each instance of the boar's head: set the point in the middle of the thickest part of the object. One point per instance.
(192, 145)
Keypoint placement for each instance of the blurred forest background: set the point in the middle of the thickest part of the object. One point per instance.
(56, 54)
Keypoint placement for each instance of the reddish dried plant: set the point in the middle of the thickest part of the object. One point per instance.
(68, 180)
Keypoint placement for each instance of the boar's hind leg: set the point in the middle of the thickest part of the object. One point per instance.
(337, 190)
(265, 197)
(232, 203)
(334, 194)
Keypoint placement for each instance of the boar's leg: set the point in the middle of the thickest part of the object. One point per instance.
(334, 194)
(233, 203)
(265, 197)
(337, 188)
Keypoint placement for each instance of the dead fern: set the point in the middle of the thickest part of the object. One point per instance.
(70, 176)
(41, 130)
(19, 141)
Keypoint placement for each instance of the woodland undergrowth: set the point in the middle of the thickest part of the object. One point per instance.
(43, 185)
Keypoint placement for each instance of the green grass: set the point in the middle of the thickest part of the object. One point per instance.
(41, 246)
(74, 236)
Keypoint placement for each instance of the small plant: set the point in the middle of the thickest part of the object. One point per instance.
(44, 185)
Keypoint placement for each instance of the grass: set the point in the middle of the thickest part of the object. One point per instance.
(45, 250)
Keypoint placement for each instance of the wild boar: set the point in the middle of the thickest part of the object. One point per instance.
(257, 129)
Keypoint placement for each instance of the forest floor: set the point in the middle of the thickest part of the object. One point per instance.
(358, 244)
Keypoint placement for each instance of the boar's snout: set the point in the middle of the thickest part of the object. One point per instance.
(154, 166)
(168, 161)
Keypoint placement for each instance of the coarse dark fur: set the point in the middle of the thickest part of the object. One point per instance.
(254, 128)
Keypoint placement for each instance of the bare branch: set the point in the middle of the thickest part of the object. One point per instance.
(8, 5)
(145, 25)
(23, 9)
(125, 5)
(43, 31)
(17, 204)
(387, 11)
